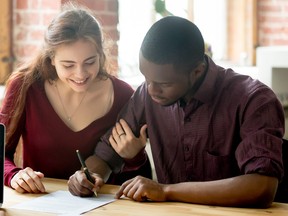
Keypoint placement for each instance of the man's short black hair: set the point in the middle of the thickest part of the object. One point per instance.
(173, 40)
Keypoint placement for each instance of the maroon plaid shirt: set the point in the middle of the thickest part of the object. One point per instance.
(232, 126)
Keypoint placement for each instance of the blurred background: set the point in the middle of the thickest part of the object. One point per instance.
(250, 36)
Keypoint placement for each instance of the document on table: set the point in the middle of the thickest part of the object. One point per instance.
(64, 203)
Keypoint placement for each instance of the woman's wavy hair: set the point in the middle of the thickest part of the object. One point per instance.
(74, 22)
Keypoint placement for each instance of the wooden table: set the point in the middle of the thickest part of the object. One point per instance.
(127, 207)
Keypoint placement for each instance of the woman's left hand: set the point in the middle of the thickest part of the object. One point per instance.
(28, 181)
(124, 142)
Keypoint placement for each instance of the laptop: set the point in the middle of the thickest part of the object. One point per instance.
(2, 147)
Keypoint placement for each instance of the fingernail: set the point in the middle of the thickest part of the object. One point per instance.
(95, 192)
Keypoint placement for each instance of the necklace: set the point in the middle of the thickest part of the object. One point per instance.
(69, 117)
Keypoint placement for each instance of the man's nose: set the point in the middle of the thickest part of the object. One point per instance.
(154, 88)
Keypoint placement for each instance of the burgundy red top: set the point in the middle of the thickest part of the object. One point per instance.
(49, 145)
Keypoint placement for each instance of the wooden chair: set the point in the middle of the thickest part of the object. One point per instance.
(282, 191)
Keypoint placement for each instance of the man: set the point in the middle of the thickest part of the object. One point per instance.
(215, 135)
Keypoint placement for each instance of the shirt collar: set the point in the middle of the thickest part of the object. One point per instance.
(207, 89)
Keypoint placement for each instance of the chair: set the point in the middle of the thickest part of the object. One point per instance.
(282, 191)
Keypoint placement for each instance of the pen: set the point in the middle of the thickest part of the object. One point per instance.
(85, 169)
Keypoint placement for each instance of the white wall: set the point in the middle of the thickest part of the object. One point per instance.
(210, 17)
(135, 18)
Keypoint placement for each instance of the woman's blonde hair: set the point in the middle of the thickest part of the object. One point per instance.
(73, 23)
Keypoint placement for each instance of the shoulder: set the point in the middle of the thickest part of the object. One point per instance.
(15, 82)
(252, 95)
(249, 86)
(232, 82)
(121, 87)
(237, 89)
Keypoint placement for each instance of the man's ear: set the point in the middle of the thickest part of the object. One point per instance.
(198, 71)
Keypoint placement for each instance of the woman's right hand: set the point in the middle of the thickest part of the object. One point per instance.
(28, 181)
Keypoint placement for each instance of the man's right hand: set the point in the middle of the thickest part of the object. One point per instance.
(79, 185)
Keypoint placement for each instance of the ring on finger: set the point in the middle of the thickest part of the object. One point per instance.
(122, 134)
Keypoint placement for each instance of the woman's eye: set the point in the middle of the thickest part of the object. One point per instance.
(90, 63)
(67, 66)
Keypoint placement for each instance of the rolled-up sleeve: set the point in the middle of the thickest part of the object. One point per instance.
(260, 150)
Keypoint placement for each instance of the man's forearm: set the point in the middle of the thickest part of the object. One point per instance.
(97, 165)
(250, 190)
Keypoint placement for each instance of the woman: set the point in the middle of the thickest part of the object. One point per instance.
(61, 101)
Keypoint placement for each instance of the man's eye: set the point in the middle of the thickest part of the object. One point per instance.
(165, 84)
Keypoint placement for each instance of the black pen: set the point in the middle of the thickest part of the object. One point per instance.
(85, 169)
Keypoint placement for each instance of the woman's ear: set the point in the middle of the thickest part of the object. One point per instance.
(52, 61)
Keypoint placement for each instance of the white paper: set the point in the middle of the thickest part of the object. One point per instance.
(64, 203)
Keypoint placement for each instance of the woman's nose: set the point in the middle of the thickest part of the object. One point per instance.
(80, 71)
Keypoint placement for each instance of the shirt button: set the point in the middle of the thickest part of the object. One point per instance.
(188, 119)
